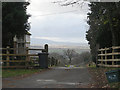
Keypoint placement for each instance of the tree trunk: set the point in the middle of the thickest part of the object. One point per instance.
(114, 43)
(70, 61)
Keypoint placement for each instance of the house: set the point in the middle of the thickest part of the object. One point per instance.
(21, 43)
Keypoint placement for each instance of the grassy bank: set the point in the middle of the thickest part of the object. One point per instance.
(98, 74)
(19, 72)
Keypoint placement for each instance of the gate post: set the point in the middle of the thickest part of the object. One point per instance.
(8, 58)
(46, 48)
(27, 57)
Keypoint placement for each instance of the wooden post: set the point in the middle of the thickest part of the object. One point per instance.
(27, 57)
(8, 58)
(15, 47)
(46, 48)
(105, 56)
(101, 58)
(113, 56)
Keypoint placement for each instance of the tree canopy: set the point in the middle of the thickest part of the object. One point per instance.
(14, 21)
(69, 54)
(104, 23)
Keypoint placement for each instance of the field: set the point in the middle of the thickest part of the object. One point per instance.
(60, 49)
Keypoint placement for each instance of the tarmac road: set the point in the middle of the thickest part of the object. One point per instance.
(57, 77)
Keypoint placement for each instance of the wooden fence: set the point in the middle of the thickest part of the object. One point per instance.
(109, 57)
(9, 60)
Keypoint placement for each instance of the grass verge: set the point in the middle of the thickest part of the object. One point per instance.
(18, 72)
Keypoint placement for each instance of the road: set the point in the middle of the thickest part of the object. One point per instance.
(57, 77)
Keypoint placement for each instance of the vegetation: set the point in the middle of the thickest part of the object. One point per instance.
(69, 53)
(14, 21)
(98, 74)
(63, 60)
(84, 57)
(104, 28)
(55, 59)
(18, 72)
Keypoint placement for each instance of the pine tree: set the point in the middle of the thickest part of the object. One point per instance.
(14, 21)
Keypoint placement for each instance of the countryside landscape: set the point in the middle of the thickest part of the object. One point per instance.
(60, 44)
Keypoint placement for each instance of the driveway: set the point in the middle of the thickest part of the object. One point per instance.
(57, 77)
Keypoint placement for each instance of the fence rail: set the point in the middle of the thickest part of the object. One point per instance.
(109, 57)
(13, 60)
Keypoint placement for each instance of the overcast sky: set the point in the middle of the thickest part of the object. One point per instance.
(55, 23)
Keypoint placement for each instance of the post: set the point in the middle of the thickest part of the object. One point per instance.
(105, 56)
(8, 58)
(113, 56)
(46, 48)
(15, 48)
(27, 57)
(101, 58)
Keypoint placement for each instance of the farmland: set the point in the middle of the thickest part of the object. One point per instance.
(60, 49)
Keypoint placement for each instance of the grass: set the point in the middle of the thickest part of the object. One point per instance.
(67, 65)
(18, 72)
(0, 72)
(92, 66)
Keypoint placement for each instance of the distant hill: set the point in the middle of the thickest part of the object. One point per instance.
(39, 42)
(59, 49)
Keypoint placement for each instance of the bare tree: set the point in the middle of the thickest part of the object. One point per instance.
(82, 59)
(70, 2)
(69, 53)
(61, 59)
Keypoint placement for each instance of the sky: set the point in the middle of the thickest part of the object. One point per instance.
(53, 24)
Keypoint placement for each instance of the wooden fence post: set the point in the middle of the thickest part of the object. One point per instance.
(8, 58)
(101, 58)
(27, 57)
(15, 47)
(105, 56)
(113, 56)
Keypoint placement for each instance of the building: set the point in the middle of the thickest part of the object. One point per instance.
(21, 43)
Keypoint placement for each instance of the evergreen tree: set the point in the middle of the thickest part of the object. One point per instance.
(14, 21)
(104, 28)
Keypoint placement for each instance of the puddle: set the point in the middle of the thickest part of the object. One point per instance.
(51, 81)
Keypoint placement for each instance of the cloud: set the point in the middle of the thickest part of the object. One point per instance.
(66, 27)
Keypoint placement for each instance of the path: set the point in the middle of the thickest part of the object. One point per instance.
(57, 77)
